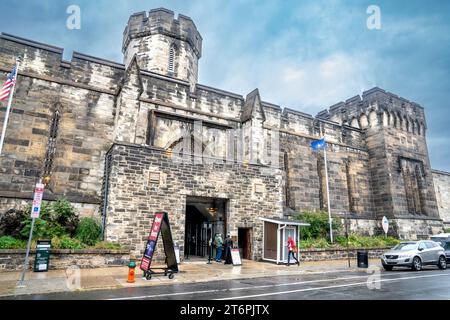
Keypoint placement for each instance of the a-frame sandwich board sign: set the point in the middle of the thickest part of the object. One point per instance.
(161, 226)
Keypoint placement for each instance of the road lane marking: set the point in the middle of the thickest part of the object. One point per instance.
(328, 287)
(246, 288)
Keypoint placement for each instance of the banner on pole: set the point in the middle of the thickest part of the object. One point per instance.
(37, 200)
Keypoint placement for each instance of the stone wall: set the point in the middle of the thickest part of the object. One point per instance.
(252, 191)
(372, 138)
(82, 91)
(12, 260)
(82, 209)
(442, 187)
(337, 254)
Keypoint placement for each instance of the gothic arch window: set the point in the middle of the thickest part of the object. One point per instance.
(420, 203)
(287, 188)
(323, 201)
(51, 144)
(351, 187)
(414, 185)
(172, 53)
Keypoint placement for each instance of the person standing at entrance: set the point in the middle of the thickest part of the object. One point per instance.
(218, 242)
(291, 250)
(228, 245)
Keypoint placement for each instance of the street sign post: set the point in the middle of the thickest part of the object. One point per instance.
(385, 223)
(35, 211)
(37, 200)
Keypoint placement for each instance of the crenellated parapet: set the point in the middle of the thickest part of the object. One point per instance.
(377, 107)
(163, 21)
(163, 44)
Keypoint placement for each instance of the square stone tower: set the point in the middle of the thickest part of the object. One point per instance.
(400, 171)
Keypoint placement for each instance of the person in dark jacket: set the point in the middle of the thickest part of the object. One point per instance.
(228, 245)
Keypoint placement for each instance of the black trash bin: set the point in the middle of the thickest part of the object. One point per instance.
(363, 259)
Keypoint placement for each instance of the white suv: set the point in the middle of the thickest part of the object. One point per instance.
(415, 254)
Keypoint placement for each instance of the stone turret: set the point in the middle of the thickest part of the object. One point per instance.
(163, 44)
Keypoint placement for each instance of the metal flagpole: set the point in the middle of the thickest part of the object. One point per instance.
(8, 109)
(328, 190)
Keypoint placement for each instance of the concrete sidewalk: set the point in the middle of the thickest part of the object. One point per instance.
(190, 272)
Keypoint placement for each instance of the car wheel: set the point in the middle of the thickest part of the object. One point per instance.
(417, 264)
(442, 263)
(387, 268)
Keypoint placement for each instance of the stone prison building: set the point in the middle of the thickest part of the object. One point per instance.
(123, 141)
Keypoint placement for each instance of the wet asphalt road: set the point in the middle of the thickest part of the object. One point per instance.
(401, 284)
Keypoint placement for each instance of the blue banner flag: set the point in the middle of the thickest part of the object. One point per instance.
(318, 144)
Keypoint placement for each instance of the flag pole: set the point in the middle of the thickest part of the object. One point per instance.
(8, 108)
(328, 190)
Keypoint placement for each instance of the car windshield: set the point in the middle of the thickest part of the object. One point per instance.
(443, 242)
(440, 241)
(406, 246)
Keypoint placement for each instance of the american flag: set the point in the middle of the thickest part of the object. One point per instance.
(7, 87)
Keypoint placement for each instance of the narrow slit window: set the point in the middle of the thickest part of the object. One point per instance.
(172, 59)
(51, 145)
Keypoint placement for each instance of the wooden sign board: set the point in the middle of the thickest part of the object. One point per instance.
(236, 257)
(160, 225)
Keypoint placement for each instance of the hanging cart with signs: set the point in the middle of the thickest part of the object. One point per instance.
(160, 226)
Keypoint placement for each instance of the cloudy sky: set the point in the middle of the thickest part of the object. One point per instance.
(305, 55)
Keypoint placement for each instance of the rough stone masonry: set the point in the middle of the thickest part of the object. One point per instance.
(109, 135)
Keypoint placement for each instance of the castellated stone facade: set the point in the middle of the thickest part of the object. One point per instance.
(144, 136)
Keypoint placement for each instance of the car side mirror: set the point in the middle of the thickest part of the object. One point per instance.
(420, 249)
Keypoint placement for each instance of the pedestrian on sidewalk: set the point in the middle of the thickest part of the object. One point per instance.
(228, 245)
(291, 250)
(218, 242)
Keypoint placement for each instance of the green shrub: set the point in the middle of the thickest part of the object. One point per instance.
(40, 230)
(447, 230)
(7, 242)
(320, 243)
(11, 223)
(356, 241)
(57, 219)
(66, 242)
(107, 245)
(63, 214)
(319, 225)
(89, 231)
